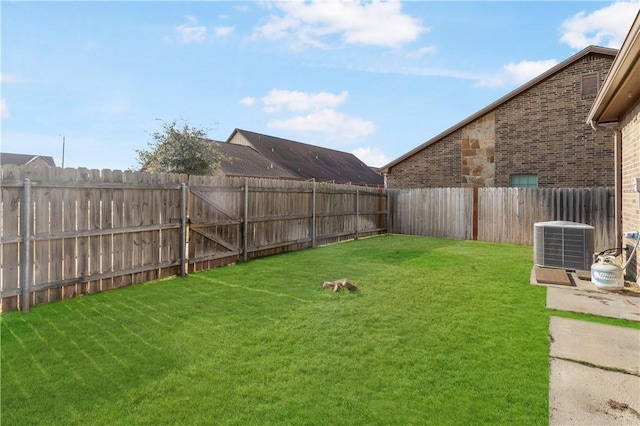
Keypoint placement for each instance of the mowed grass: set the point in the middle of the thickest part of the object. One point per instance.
(439, 332)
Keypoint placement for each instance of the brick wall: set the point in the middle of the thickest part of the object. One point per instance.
(543, 131)
(435, 166)
(539, 131)
(631, 170)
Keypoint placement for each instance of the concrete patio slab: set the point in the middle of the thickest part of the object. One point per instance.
(602, 345)
(594, 302)
(583, 395)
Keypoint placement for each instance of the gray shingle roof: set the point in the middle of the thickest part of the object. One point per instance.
(312, 162)
(245, 161)
(22, 159)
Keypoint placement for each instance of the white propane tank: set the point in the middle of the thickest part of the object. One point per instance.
(607, 275)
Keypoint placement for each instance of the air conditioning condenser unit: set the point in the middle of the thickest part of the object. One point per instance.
(563, 245)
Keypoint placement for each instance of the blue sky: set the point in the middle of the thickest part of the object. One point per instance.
(376, 79)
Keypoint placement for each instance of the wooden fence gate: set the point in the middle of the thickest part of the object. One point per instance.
(215, 224)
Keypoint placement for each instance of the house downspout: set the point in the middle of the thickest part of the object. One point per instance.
(617, 165)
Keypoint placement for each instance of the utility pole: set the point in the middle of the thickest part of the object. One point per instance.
(63, 152)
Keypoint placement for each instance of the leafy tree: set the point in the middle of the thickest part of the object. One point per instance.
(180, 149)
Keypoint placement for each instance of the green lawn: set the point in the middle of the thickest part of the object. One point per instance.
(440, 332)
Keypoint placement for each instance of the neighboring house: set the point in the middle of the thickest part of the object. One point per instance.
(616, 112)
(534, 136)
(255, 154)
(26, 159)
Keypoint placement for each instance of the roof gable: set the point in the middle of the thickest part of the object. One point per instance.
(309, 161)
(506, 98)
(25, 159)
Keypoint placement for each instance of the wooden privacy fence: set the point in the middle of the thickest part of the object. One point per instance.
(434, 212)
(504, 215)
(232, 218)
(65, 232)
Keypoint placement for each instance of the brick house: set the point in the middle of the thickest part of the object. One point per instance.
(616, 113)
(534, 136)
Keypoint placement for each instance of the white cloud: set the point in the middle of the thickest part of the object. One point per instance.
(327, 121)
(301, 101)
(191, 32)
(419, 53)
(4, 110)
(248, 101)
(223, 31)
(517, 73)
(117, 104)
(320, 117)
(355, 22)
(9, 78)
(373, 157)
(607, 26)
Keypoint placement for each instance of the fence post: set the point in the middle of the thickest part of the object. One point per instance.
(380, 207)
(313, 216)
(390, 209)
(357, 211)
(25, 258)
(183, 229)
(474, 231)
(245, 227)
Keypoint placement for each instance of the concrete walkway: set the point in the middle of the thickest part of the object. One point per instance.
(594, 368)
(594, 302)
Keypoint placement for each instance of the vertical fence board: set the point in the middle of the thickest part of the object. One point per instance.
(129, 239)
(41, 203)
(106, 224)
(94, 222)
(69, 227)
(118, 222)
(56, 220)
(9, 252)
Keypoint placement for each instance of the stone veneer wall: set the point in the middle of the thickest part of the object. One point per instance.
(631, 170)
(478, 150)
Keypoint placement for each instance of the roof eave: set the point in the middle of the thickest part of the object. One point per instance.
(611, 99)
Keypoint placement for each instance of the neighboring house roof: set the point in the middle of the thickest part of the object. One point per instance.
(24, 159)
(245, 161)
(309, 161)
(621, 89)
(549, 73)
